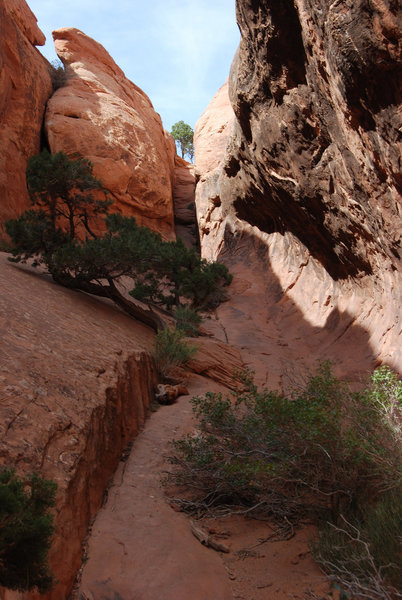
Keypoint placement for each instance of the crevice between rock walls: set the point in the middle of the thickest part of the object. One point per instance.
(108, 430)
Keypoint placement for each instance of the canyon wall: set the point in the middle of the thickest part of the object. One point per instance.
(304, 203)
(97, 112)
(105, 117)
(76, 379)
(25, 87)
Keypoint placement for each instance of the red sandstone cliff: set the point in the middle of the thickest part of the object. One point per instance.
(105, 117)
(76, 379)
(25, 87)
(304, 206)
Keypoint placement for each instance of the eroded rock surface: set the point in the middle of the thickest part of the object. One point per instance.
(75, 381)
(304, 206)
(25, 86)
(316, 89)
(184, 201)
(105, 117)
(211, 135)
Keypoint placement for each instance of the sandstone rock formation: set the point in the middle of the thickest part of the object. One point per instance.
(210, 138)
(184, 201)
(317, 149)
(25, 86)
(76, 378)
(103, 116)
(304, 206)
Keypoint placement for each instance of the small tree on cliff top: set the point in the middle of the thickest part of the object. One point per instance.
(166, 274)
(183, 136)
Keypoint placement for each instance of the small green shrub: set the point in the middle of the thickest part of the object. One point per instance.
(26, 528)
(171, 351)
(323, 450)
(187, 320)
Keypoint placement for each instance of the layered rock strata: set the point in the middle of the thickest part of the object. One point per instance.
(103, 116)
(76, 379)
(304, 206)
(25, 87)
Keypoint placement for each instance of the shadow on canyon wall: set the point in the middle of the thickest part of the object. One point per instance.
(280, 337)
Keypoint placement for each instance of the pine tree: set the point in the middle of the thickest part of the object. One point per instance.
(165, 274)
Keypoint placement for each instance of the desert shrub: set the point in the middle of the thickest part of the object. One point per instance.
(187, 320)
(171, 351)
(321, 451)
(26, 528)
(363, 554)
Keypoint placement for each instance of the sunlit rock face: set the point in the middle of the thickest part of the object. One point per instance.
(25, 86)
(211, 134)
(304, 206)
(103, 116)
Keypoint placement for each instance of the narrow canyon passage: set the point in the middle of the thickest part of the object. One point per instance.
(139, 547)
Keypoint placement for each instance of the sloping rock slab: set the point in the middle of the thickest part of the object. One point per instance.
(75, 381)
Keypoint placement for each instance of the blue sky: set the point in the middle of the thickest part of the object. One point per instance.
(177, 51)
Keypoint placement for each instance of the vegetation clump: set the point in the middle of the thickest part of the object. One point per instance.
(171, 350)
(69, 231)
(322, 452)
(26, 529)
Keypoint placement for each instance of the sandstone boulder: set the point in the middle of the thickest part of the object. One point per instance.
(103, 116)
(25, 87)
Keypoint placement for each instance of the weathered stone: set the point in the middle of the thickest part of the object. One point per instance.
(75, 379)
(103, 116)
(167, 394)
(304, 207)
(316, 150)
(184, 202)
(211, 135)
(212, 130)
(25, 87)
(216, 360)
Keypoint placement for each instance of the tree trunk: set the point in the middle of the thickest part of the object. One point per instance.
(145, 315)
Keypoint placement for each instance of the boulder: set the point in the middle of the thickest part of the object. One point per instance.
(106, 118)
(166, 393)
(25, 86)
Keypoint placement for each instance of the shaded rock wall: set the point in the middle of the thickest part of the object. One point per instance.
(76, 378)
(304, 206)
(25, 87)
(105, 117)
(315, 89)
